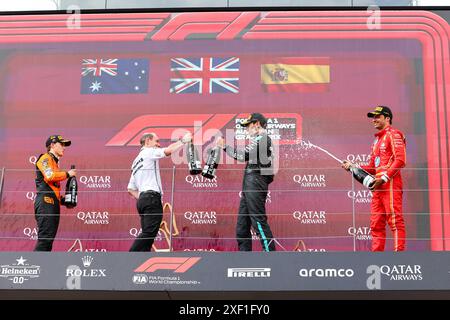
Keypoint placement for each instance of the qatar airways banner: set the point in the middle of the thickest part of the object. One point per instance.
(103, 88)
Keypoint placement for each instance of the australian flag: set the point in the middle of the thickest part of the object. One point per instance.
(106, 76)
(204, 75)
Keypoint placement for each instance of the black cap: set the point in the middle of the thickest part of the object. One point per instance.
(254, 117)
(57, 138)
(385, 111)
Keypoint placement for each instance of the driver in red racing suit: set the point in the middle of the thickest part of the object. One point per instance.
(387, 157)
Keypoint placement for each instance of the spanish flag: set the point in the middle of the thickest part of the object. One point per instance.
(296, 75)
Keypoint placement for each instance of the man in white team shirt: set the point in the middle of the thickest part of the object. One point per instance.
(145, 186)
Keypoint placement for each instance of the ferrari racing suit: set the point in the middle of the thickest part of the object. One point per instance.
(388, 156)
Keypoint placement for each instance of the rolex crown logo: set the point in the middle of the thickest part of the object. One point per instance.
(87, 260)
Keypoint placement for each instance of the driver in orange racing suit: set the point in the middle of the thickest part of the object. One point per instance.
(48, 198)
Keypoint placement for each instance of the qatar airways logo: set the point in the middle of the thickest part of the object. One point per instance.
(359, 159)
(312, 250)
(77, 246)
(96, 182)
(360, 196)
(30, 195)
(254, 235)
(135, 232)
(301, 247)
(201, 217)
(93, 217)
(310, 180)
(398, 272)
(310, 216)
(91, 250)
(31, 233)
(360, 233)
(32, 160)
(200, 182)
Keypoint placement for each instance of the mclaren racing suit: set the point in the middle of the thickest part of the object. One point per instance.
(47, 202)
(387, 157)
(257, 177)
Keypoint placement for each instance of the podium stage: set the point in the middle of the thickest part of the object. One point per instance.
(231, 275)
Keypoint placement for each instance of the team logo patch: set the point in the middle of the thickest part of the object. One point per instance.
(48, 172)
(49, 200)
(377, 161)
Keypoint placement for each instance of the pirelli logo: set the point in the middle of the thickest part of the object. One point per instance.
(248, 272)
(177, 264)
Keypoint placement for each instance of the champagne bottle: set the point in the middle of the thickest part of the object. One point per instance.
(195, 167)
(70, 198)
(209, 171)
(363, 177)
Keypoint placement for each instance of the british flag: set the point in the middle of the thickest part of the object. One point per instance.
(206, 75)
(97, 66)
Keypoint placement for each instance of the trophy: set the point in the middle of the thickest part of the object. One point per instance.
(209, 171)
(194, 164)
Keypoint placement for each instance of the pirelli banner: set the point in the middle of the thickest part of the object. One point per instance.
(205, 271)
(102, 80)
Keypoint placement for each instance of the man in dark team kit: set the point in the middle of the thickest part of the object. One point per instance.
(257, 177)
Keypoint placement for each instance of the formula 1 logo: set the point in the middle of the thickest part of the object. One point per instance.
(177, 264)
(284, 128)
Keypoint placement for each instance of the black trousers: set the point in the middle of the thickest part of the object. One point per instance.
(252, 213)
(150, 210)
(46, 213)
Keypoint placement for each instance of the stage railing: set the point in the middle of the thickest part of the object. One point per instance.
(308, 209)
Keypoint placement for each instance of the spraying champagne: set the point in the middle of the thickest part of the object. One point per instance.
(360, 175)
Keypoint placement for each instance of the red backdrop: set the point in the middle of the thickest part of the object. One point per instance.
(312, 204)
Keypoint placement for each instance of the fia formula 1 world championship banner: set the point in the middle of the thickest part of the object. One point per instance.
(104, 94)
(200, 271)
